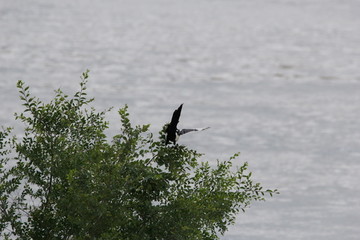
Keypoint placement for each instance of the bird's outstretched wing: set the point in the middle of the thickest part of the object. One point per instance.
(175, 117)
(186, 130)
(172, 127)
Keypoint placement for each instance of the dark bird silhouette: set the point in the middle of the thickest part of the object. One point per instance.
(172, 127)
(173, 133)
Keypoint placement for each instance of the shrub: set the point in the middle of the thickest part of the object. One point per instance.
(64, 180)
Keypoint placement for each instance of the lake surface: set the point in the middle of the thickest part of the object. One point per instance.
(277, 80)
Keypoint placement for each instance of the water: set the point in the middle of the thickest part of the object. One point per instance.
(277, 80)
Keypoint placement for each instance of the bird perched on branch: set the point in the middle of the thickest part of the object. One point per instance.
(173, 133)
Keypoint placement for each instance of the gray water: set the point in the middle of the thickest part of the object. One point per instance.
(277, 80)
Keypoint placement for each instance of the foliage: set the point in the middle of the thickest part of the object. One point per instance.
(64, 180)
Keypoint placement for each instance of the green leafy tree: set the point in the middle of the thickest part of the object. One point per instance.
(64, 180)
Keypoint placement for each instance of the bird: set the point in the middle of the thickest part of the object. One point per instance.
(173, 133)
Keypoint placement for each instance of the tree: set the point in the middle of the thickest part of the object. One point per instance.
(64, 180)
